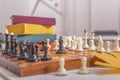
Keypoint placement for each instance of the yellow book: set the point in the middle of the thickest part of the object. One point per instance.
(107, 65)
(116, 54)
(108, 58)
(111, 60)
(30, 29)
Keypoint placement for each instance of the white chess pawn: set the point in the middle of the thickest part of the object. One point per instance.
(6, 31)
(73, 45)
(79, 45)
(48, 44)
(83, 68)
(56, 47)
(101, 48)
(11, 33)
(116, 45)
(99, 39)
(85, 44)
(73, 37)
(61, 71)
(108, 50)
(91, 45)
(92, 36)
(65, 41)
(69, 42)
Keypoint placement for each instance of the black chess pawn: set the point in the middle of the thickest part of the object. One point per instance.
(46, 56)
(61, 49)
(14, 50)
(22, 48)
(37, 52)
(11, 44)
(32, 56)
(28, 46)
(43, 44)
(6, 51)
(0, 47)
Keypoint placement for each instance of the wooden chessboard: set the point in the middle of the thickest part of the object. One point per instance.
(23, 68)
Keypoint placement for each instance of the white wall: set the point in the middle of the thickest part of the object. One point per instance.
(25, 7)
(77, 16)
(9, 8)
(105, 15)
(92, 15)
(82, 16)
(73, 16)
(42, 10)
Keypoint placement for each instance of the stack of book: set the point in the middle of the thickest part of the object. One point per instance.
(35, 29)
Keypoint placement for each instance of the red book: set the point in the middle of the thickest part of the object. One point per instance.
(16, 19)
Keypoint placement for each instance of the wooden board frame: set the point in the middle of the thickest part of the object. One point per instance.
(23, 68)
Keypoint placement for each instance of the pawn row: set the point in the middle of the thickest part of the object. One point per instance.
(79, 44)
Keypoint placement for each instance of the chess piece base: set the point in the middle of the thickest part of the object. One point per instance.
(108, 51)
(85, 47)
(32, 60)
(92, 49)
(72, 49)
(62, 73)
(101, 50)
(21, 58)
(78, 50)
(54, 49)
(116, 50)
(13, 56)
(83, 72)
(46, 58)
(60, 52)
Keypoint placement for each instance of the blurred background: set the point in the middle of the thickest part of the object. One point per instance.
(72, 16)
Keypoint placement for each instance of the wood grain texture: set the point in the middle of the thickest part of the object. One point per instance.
(23, 68)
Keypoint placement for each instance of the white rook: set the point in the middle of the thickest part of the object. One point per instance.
(116, 45)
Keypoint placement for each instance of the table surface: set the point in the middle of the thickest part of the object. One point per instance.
(96, 73)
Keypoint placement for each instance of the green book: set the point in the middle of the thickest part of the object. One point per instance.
(36, 37)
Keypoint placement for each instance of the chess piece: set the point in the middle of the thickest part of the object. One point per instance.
(92, 36)
(79, 45)
(69, 42)
(61, 71)
(108, 50)
(56, 45)
(33, 55)
(30, 53)
(101, 48)
(11, 44)
(116, 45)
(73, 37)
(85, 44)
(91, 42)
(22, 48)
(48, 44)
(15, 49)
(65, 41)
(43, 44)
(37, 53)
(0, 47)
(99, 39)
(6, 51)
(91, 45)
(73, 45)
(83, 68)
(46, 56)
(61, 49)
